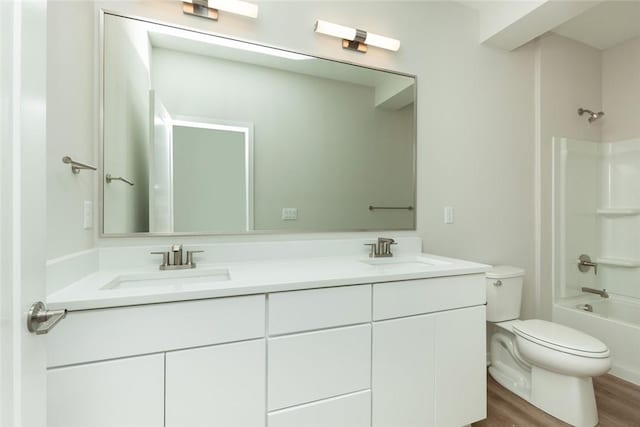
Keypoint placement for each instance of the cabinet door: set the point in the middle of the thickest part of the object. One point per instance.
(460, 347)
(124, 392)
(221, 385)
(402, 386)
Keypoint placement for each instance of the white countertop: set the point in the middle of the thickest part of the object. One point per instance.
(254, 277)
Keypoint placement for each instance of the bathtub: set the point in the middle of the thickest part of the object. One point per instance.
(614, 321)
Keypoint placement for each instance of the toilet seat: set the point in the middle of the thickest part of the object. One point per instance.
(560, 338)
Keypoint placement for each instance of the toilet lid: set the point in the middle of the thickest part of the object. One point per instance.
(504, 272)
(561, 338)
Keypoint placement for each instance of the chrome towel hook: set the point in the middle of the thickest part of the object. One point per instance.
(110, 178)
(76, 167)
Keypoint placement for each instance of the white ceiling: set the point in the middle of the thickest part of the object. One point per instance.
(605, 25)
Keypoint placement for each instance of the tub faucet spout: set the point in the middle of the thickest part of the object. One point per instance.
(603, 293)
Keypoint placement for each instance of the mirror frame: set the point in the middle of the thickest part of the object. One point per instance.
(101, 167)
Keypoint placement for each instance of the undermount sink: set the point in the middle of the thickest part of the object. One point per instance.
(195, 277)
(407, 261)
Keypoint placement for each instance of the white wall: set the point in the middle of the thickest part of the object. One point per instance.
(621, 91)
(567, 77)
(475, 113)
(475, 149)
(71, 124)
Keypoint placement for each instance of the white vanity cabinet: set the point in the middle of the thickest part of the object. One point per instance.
(429, 369)
(202, 362)
(319, 357)
(395, 354)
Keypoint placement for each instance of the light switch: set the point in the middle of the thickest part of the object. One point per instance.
(87, 215)
(448, 215)
(289, 214)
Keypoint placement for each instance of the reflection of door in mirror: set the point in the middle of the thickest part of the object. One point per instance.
(160, 185)
(211, 177)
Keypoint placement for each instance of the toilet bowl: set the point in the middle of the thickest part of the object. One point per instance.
(547, 364)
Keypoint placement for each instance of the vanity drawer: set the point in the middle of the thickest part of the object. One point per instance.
(353, 410)
(317, 365)
(306, 310)
(91, 335)
(410, 297)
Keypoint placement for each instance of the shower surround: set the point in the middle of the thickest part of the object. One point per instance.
(597, 213)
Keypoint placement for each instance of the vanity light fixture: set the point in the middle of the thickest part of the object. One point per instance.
(354, 38)
(209, 8)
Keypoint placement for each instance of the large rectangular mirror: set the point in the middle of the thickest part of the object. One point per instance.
(208, 135)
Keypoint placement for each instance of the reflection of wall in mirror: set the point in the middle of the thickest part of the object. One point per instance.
(126, 111)
(321, 145)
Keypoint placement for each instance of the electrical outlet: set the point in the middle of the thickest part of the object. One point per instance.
(448, 215)
(289, 214)
(87, 215)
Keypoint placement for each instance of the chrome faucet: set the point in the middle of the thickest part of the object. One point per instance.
(382, 248)
(603, 293)
(175, 262)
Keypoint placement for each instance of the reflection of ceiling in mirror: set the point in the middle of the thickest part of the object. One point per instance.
(218, 47)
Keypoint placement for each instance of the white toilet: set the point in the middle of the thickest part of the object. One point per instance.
(545, 363)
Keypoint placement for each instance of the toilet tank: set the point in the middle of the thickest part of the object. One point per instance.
(504, 293)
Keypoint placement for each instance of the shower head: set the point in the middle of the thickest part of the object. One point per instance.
(592, 116)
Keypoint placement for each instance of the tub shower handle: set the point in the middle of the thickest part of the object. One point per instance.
(584, 263)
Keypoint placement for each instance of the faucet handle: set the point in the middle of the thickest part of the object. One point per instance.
(372, 253)
(165, 258)
(176, 248)
(190, 257)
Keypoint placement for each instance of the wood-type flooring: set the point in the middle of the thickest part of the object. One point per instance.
(618, 406)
